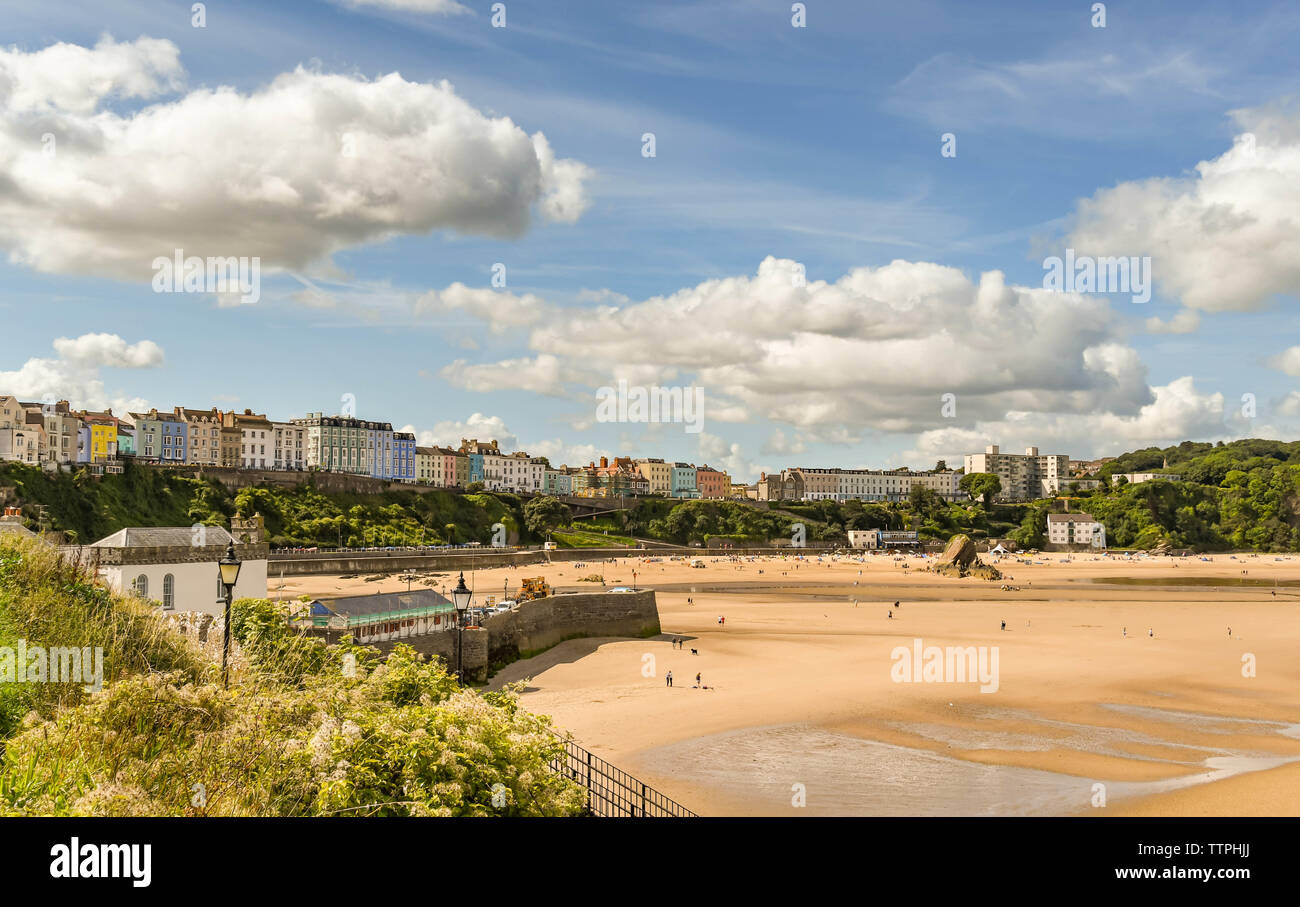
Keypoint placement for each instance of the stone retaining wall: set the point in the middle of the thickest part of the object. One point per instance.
(534, 626)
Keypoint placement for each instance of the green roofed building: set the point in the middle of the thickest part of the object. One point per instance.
(384, 616)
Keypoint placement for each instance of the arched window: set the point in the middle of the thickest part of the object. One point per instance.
(169, 592)
(140, 586)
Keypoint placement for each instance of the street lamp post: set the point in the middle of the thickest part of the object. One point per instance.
(461, 596)
(229, 567)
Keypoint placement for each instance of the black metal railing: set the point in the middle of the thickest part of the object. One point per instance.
(612, 791)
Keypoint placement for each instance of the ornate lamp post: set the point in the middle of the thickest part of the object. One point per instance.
(229, 567)
(460, 596)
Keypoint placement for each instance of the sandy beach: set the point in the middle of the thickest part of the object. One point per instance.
(1118, 687)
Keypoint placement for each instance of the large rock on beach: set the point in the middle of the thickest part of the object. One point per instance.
(958, 559)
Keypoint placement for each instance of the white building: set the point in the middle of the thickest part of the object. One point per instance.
(176, 567)
(876, 484)
(882, 538)
(1137, 478)
(1024, 477)
(22, 432)
(1075, 529)
(290, 446)
(520, 472)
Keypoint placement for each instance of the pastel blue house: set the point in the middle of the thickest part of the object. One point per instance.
(403, 456)
(684, 485)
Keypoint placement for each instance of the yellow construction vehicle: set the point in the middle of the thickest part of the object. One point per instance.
(534, 587)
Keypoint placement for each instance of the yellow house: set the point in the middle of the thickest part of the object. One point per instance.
(98, 437)
(103, 442)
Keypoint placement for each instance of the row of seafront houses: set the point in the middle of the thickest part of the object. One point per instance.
(53, 435)
(1023, 477)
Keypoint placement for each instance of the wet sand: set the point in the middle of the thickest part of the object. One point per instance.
(802, 714)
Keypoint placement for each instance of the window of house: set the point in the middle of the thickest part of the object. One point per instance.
(140, 586)
(169, 592)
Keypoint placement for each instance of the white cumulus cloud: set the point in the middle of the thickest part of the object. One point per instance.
(74, 373)
(292, 172)
(1223, 239)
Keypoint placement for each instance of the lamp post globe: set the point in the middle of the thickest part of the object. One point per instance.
(460, 597)
(228, 567)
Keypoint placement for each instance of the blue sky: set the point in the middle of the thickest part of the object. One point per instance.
(816, 145)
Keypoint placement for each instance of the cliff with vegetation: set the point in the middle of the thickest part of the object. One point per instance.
(87, 508)
(1240, 495)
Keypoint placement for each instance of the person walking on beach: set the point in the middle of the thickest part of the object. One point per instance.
(1124, 632)
(697, 680)
(1004, 625)
(669, 678)
(1151, 632)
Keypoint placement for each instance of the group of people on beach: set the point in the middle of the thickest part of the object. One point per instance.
(699, 681)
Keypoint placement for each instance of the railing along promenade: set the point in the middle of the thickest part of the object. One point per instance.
(612, 792)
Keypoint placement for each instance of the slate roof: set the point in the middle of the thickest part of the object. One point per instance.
(161, 537)
(383, 602)
(17, 529)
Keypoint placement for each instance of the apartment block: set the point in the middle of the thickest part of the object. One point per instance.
(1024, 477)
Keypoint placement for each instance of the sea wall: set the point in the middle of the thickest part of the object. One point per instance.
(534, 626)
(392, 561)
(367, 562)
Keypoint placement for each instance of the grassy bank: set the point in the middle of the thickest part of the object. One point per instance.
(305, 729)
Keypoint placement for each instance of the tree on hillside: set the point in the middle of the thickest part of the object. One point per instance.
(1033, 529)
(982, 485)
(545, 514)
(925, 501)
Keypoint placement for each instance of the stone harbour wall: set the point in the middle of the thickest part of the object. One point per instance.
(534, 626)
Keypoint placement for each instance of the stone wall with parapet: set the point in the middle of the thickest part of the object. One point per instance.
(90, 556)
(392, 562)
(534, 626)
